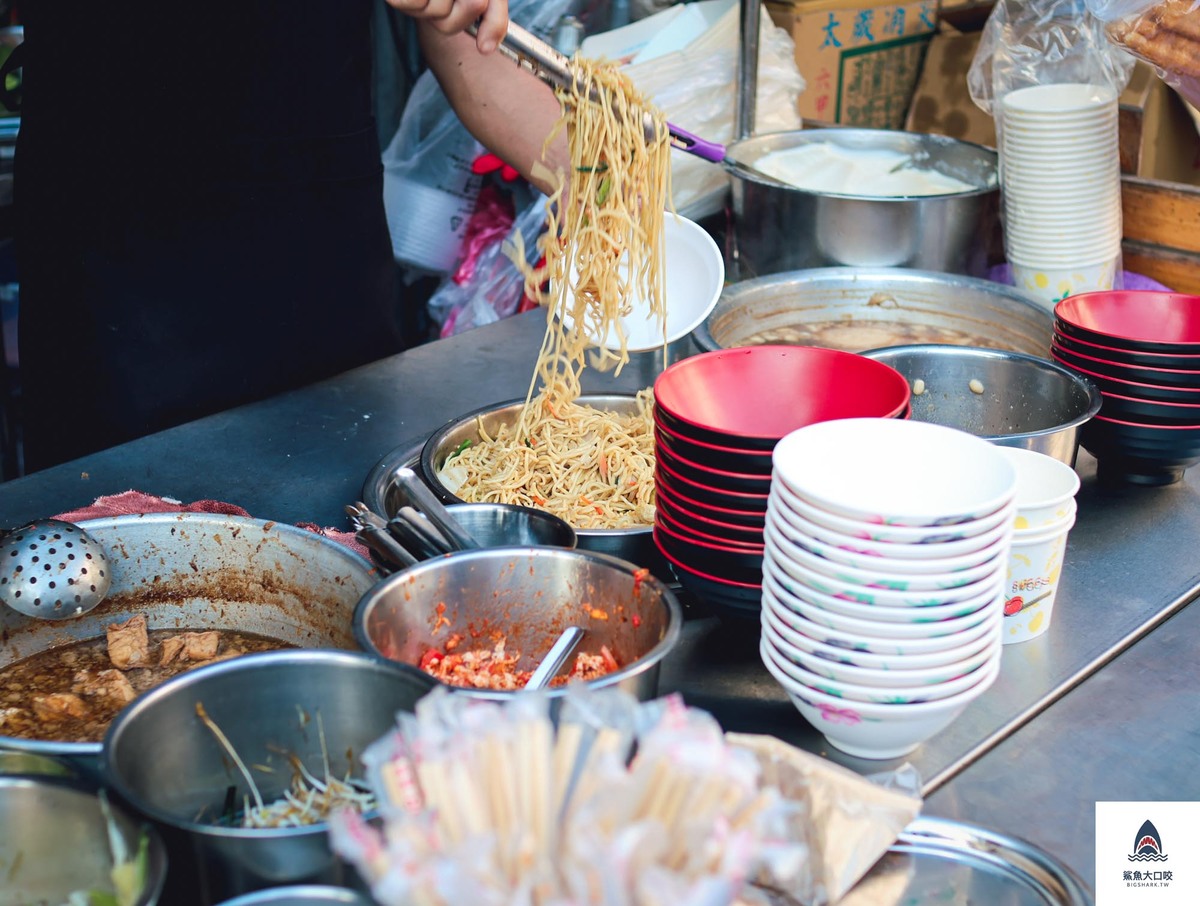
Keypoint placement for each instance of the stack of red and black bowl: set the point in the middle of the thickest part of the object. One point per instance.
(717, 417)
(1142, 350)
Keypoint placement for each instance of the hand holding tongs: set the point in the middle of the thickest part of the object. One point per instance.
(536, 56)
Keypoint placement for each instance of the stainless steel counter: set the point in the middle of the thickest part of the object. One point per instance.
(302, 456)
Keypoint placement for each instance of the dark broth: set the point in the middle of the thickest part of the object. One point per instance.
(55, 671)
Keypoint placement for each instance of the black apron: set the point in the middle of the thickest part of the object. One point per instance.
(199, 213)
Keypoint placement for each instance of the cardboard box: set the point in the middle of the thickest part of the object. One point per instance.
(860, 60)
(1159, 138)
(941, 103)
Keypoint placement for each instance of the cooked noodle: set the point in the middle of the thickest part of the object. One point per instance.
(593, 468)
(603, 251)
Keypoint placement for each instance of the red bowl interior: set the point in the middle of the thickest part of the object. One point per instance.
(1144, 316)
(767, 392)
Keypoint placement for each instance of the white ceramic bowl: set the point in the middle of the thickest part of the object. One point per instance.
(892, 471)
(693, 277)
(814, 543)
(906, 678)
(788, 589)
(974, 546)
(977, 642)
(820, 584)
(877, 731)
(855, 692)
(879, 574)
(903, 534)
(875, 643)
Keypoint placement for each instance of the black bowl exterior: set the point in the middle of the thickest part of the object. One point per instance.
(681, 515)
(721, 459)
(1132, 409)
(735, 568)
(710, 435)
(1162, 321)
(1127, 356)
(735, 482)
(744, 518)
(1107, 384)
(1166, 377)
(1140, 454)
(718, 497)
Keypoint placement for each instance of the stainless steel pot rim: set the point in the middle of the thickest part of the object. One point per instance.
(980, 352)
(656, 654)
(807, 136)
(429, 450)
(300, 657)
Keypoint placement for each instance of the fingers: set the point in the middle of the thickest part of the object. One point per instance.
(493, 26)
(450, 17)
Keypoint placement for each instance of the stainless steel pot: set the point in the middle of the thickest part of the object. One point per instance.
(161, 759)
(54, 841)
(633, 544)
(528, 595)
(1025, 401)
(301, 895)
(1001, 315)
(201, 571)
(780, 228)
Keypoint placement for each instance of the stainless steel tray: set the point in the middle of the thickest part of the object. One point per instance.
(939, 861)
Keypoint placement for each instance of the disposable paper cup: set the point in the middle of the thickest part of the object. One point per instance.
(1055, 101)
(1046, 489)
(1034, 569)
(1064, 255)
(1050, 285)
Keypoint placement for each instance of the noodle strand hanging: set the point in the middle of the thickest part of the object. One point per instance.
(603, 251)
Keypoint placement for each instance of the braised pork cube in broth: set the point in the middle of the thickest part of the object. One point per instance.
(71, 693)
(129, 643)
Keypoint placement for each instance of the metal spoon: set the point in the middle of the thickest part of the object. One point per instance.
(52, 570)
(555, 658)
(417, 493)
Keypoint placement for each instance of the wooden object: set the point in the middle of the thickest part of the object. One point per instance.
(1162, 231)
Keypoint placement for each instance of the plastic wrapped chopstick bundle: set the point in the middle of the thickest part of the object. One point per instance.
(617, 802)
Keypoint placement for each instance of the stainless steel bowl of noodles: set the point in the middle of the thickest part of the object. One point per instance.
(574, 442)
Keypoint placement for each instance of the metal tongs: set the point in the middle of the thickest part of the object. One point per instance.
(536, 56)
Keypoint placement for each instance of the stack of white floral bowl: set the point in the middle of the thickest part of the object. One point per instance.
(886, 550)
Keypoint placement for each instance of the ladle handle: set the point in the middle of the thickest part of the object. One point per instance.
(555, 658)
(423, 499)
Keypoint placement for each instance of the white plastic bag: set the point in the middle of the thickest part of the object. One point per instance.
(696, 88)
(429, 190)
(496, 286)
(1041, 42)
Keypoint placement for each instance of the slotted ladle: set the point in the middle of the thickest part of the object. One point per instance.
(52, 570)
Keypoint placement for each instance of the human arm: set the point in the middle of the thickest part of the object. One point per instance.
(509, 110)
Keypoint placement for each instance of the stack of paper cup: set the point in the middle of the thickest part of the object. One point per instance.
(1061, 182)
(1045, 514)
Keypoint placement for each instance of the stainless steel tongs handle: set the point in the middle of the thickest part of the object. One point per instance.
(534, 55)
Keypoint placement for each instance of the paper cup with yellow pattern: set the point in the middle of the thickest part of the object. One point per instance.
(1046, 489)
(1034, 569)
(1050, 285)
